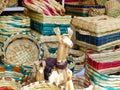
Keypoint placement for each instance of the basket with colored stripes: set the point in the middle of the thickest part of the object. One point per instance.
(45, 24)
(109, 81)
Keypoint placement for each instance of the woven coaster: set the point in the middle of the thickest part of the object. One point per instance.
(22, 49)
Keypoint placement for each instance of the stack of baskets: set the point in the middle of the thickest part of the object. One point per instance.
(13, 24)
(97, 33)
(104, 68)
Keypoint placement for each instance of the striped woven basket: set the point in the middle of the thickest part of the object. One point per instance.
(7, 83)
(45, 24)
(12, 3)
(3, 4)
(77, 9)
(105, 81)
(105, 62)
(13, 24)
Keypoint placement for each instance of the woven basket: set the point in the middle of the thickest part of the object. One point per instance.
(22, 48)
(75, 8)
(98, 24)
(78, 57)
(41, 86)
(105, 61)
(12, 3)
(81, 83)
(13, 24)
(9, 84)
(3, 4)
(15, 72)
(45, 38)
(103, 80)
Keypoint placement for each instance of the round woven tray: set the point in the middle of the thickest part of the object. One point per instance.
(22, 49)
(40, 86)
(9, 84)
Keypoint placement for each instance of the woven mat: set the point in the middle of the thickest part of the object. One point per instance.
(22, 49)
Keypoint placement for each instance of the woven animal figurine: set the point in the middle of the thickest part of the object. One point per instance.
(61, 75)
(40, 66)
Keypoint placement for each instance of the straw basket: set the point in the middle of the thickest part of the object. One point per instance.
(105, 62)
(105, 81)
(81, 83)
(12, 3)
(78, 57)
(22, 48)
(77, 9)
(13, 24)
(3, 4)
(9, 84)
(45, 24)
(41, 86)
(15, 72)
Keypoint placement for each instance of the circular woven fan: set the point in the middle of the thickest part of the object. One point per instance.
(9, 84)
(22, 49)
(3, 4)
(40, 86)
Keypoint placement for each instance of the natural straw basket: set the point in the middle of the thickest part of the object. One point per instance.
(22, 48)
(82, 83)
(3, 4)
(105, 81)
(12, 3)
(41, 86)
(9, 84)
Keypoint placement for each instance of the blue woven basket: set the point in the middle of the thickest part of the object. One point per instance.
(98, 41)
(48, 29)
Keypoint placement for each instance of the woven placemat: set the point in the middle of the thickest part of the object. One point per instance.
(22, 48)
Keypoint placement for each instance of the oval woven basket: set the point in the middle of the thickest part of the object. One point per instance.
(40, 86)
(22, 49)
(15, 72)
(9, 84)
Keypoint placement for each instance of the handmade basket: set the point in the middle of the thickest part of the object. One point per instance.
(78, 57)
(15, 72)
(103, 80)
(82, 83)
(3, 4)
(41, 86)
(13, 24)
(9, 84)
(45, 24)
(77, 9)
(12, 3)
(22, 49)
(45, 38)
(105, 62)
